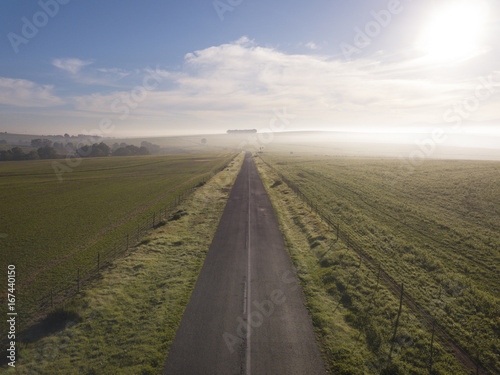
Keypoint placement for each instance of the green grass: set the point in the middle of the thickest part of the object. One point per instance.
(436, 229)
(128, 318)
(54, 228)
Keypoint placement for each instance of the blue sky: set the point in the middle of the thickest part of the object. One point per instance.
(126, 68)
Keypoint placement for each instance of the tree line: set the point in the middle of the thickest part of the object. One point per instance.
(46, 149)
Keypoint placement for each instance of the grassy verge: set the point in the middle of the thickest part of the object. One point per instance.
(353, 313)
(126, 321)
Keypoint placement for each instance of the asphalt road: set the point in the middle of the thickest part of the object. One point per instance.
(246, 314)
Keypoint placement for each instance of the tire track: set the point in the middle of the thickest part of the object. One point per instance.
(442, 335)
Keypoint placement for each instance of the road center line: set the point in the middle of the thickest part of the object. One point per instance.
(249, 286)
(244, 297)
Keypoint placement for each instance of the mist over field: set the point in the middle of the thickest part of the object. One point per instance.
(250, 187)
(420, 145)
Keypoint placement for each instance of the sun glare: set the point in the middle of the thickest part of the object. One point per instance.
(454, 31)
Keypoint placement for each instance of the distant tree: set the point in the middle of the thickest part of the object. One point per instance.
(134, 150)
(66, 135)
(94, 151)
(69, 147)
(153, 149)
(131, 150)
(32, 155)
(104, 148)
(84, 151)
(18, 153)
(59, 146)
(122, 151)
(47, 152)
(6, 155)
(97, 153)
(143, 151)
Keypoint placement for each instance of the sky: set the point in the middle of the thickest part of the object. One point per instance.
(168, 67)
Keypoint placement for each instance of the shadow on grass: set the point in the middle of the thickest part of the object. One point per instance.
(54, 322)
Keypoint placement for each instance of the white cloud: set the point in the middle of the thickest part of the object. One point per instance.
(242, 81)
(23, 93)
(311, 45)
(72, 66)
(114, 72)
(92, 76)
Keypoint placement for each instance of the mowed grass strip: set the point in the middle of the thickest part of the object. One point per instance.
(435, 228)
(54, 228)
(126, 321)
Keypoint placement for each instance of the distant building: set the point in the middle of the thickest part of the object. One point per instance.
(243, 131)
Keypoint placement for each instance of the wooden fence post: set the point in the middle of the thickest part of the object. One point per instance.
(432, 344)
(397, 323)
(378, 276)
(477, 359)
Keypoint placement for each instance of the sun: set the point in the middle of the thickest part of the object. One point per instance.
(454, 31)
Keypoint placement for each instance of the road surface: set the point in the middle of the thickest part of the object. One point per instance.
(246, 314)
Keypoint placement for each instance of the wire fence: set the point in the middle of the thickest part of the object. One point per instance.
(352, 240)
(75, 280)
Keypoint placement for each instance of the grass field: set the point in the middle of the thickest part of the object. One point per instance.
(125, 321)
(50, 229)
(436, 229)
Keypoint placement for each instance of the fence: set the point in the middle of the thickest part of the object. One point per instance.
(351, 239)
(74, 282)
